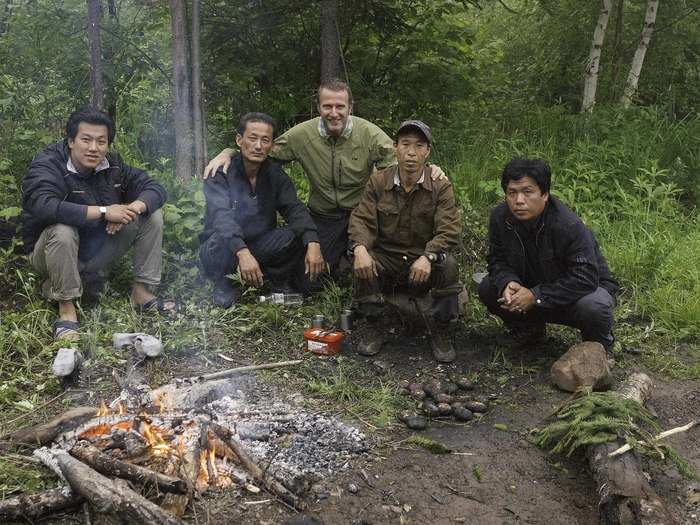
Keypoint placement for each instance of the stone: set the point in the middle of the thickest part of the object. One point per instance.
(583, 365)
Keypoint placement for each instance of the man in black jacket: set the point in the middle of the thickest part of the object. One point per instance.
(82, 208)
(544, 264)
(240, 226)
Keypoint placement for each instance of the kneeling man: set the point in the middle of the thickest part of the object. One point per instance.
(240, 227)
(401, 234)
(83, 208)
(544, 264)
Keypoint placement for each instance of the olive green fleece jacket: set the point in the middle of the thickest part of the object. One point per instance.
(337, 168)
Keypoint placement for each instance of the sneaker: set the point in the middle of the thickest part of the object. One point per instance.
(225, 294)
(526, 336)
(441, 345)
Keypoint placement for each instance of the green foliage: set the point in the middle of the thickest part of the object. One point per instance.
(592, 418)
(432, 446)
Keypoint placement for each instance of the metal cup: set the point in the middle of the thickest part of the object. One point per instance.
(318, 321)
(346, 320)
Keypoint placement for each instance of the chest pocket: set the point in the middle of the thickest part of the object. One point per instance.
(388, 217)
(353, 168)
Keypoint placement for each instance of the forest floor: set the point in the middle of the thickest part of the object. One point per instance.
(494, 474)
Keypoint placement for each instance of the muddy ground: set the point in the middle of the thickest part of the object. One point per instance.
(494, 475)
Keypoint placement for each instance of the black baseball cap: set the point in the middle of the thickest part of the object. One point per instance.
(416, 125)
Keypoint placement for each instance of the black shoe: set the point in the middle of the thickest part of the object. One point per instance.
(225, 294)
(441, 345)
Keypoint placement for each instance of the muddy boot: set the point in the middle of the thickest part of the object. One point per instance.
(441, 344)
(225, 294)
(368, 340)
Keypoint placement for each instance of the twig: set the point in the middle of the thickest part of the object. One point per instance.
(666, 433)
(36, 409)
(240, 369)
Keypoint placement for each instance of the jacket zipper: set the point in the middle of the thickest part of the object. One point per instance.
(335, 189)
(515, 232)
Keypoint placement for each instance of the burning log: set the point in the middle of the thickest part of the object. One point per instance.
(625, 494)
(272, 485)
(104, 464)
(45, 433)
(106, 495)
(188, 468)
(32, 506)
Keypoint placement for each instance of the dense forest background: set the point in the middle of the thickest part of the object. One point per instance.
(493, 78)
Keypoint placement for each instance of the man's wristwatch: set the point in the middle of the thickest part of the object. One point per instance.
(103, 212)
(432, 257)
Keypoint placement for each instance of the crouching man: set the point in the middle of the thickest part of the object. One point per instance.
(240, 226)
(83, 208)
(544, 264)
(401, 234)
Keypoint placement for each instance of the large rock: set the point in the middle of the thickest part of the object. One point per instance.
(584, 364)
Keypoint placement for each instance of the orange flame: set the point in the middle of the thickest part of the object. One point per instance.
(103, 410)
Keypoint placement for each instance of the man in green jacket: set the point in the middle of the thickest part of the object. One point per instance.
(338, 152)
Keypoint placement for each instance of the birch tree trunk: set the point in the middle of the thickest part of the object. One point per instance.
(593, 65)
(200, 147)
(94, 9)
(182, 101)
(330, 52)
(638, 60)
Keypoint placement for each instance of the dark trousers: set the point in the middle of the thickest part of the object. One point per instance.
(393, 271)
(333, 237)
(279, 253)
(592, 314)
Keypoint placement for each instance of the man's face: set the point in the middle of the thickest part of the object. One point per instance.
(334, 108)
(525, 199)
(89, 147)
(411, 151)
(256, 141)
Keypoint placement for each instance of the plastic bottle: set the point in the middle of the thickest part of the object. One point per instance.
(283, 298)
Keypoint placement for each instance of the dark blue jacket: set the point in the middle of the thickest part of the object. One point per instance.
(557, 257)
(51, 194)
(232, 216)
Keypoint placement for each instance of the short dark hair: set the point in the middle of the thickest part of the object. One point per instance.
(334, 84)
(90, 115)
(519, 168)
(255, 116)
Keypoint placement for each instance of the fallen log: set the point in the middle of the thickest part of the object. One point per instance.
(625, 494)
(33, 506)
(109, 496)
(272, 485)
(109, 466)
(44, 433)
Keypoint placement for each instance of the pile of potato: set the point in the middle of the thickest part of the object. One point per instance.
(440, 399)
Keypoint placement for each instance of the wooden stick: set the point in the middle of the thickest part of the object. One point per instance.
(242, 369)
(109, 466)
(29, 507)
(46, 432)
(109, 496)
(666, 433)
(272, 485)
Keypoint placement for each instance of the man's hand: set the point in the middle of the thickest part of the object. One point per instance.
(138, 207)
(222, 160)
(250, 269)
(522, 301)
(113, 227)
(364, 266)
(420, 271)
(436, 173)
(120, 213)
(313, 262)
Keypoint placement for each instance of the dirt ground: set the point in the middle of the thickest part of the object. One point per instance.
(494, 475)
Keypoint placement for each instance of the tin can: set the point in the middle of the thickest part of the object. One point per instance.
(318, 321)
(346, 320)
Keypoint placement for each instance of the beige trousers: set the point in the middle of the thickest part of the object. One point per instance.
(55, 255)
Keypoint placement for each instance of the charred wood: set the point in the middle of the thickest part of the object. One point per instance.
(33, 506)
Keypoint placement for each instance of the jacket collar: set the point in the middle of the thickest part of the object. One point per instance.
(71, 167)
(324, 132)
(237, 168)
(393, 180)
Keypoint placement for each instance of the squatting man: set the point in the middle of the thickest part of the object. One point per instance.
(544, 264)
(82, 209)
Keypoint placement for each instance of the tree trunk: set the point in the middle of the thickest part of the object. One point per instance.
(625, 494)
(330, 51)
(593, 66)
(184, 165)
(200, 147)
(94, 8)
(638, 60)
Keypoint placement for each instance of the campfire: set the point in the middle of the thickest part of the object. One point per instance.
(185, 439)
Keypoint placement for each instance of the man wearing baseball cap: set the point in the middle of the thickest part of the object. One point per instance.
(401, 235)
